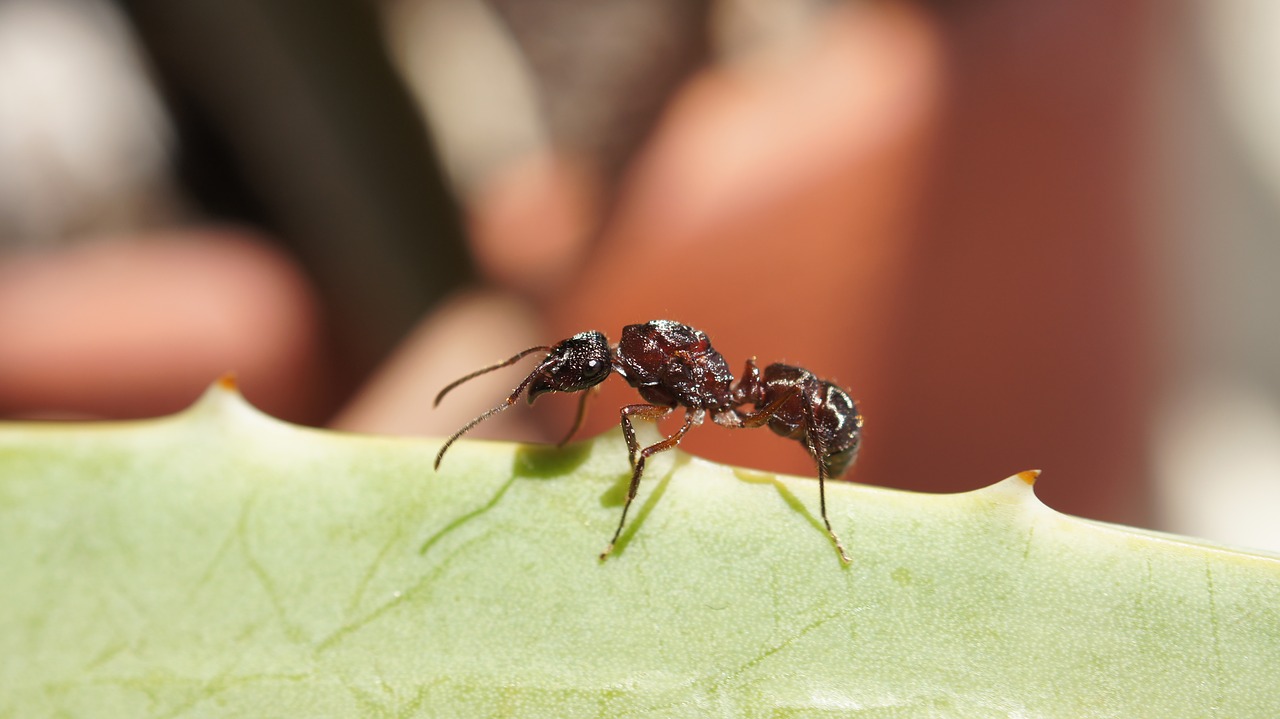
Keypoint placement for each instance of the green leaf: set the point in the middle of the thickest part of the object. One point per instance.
(222, 563)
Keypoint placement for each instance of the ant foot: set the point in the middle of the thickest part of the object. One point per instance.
(844, 557)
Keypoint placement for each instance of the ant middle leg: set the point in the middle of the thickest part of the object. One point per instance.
(735, 419)
(637, 464)
(761, 417)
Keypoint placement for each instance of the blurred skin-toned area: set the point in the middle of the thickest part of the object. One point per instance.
(129, 327)
(931, 207)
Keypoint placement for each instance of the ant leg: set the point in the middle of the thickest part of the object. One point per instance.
(759, 418)
(638, 471)
(640, 411)
(822, 500)
(733, 419)
(577, 420)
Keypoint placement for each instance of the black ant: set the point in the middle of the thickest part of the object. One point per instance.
(674, 365)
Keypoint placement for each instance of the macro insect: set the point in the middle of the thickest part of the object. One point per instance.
(674, 366)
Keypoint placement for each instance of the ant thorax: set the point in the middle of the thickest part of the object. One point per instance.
(674, 365)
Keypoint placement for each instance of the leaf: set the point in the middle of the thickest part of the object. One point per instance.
(222, 563)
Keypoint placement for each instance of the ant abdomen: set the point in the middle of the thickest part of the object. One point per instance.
(815, 412)
(838, 429)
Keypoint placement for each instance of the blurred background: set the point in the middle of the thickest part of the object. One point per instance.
(1024, 233)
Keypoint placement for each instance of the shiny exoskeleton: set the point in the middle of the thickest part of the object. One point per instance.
(673, 365)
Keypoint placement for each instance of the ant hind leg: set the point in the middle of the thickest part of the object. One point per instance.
(822, 502)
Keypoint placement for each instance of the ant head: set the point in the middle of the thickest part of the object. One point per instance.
(578, 363)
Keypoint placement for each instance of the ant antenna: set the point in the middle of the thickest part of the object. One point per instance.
(504, 363)
(515, 395)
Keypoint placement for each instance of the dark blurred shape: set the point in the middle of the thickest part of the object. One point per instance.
(296, 102)
(606, 70)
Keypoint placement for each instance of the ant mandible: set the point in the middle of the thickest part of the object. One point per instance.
(673, 365)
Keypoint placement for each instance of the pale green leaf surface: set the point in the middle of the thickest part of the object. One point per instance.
(221, 563)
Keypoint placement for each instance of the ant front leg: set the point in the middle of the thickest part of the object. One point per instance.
(639, 411)
(643, 411)
(582, 414)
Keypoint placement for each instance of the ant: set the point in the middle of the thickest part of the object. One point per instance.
(673, 365)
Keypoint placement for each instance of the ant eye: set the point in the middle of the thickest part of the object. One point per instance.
(595, 368)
